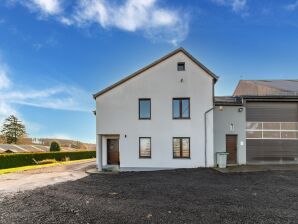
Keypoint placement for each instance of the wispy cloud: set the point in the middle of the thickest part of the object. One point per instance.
(61, 136)
(146, 16)
(4, 80)
(44, 7)
(236, 5)
(60, 97)
(5, 108)
(292, 7)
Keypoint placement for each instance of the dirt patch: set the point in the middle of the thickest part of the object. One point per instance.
(177, 196)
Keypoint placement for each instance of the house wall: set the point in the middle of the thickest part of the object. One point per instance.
(222, 122)
(117, 113)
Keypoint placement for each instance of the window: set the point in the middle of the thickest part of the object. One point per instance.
(272, 130)
(253, 134)
(181, 66)
(181, 148)
(145, 147)
(181, 108)
(144, 109)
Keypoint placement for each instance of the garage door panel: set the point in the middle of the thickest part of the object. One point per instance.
(272, 112)
(259, 151)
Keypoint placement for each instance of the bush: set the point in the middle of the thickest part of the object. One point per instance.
(25, 159)
(55, 147)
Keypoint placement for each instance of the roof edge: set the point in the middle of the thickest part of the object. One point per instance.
(181, 49)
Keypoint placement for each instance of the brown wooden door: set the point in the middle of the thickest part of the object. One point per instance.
(113, 151)
(231, 147)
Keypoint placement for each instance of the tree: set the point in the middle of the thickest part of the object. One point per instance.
(13, 129)
(55, 146)
(2, 139)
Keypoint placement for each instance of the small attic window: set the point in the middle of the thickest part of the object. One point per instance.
(181, 66)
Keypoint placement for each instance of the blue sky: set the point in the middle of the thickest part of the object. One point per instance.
(55, 53)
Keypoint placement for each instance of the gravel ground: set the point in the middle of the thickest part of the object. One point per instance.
(177, 196)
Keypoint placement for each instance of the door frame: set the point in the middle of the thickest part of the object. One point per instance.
(236, 156)
(107, 147)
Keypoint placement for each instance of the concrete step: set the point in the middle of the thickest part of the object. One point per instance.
(111, 168)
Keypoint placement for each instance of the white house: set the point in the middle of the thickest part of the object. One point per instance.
(159, 117)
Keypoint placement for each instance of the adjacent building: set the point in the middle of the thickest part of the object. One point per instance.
(166, 116)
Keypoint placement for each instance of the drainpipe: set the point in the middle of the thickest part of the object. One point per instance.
(99, 152)
(205, 126)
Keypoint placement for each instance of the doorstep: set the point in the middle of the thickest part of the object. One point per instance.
(112, 169)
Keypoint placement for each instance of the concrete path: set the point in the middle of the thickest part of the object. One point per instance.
(258, 168)
(27, 180)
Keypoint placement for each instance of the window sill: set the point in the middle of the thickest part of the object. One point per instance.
(181, 118)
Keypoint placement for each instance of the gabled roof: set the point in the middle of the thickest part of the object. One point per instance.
(153, 64)
(265, 88)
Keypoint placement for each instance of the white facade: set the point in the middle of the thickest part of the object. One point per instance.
(117, 116)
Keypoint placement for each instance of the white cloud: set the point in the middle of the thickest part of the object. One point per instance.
(50, 7)
(4, 80)
(236, 5)
(65, 21)
(146, 16)
(133, 15)
(44, 7)
(61, 97)
(61, 136)
(6, 110)
(292, 7)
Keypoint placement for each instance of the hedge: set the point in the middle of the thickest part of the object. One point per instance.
(26, 159)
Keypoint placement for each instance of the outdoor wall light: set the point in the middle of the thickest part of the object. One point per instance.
(181, 80)
(240, 109)
(125, 136)
(221, 108)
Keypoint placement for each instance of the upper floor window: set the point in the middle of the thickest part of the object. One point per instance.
(181, 108)
(181, 66)
(145, 109)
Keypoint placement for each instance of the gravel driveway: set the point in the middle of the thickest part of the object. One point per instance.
(177, 196)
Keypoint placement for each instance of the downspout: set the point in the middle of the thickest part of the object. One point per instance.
(205, 126)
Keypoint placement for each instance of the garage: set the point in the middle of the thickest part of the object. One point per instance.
(272, 132)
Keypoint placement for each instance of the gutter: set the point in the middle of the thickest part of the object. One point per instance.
(205, 126)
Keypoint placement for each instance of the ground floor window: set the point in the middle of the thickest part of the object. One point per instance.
(145, 147)
(181, 147)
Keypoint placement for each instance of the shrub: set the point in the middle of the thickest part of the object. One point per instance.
(55, 147)
(25, 159)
